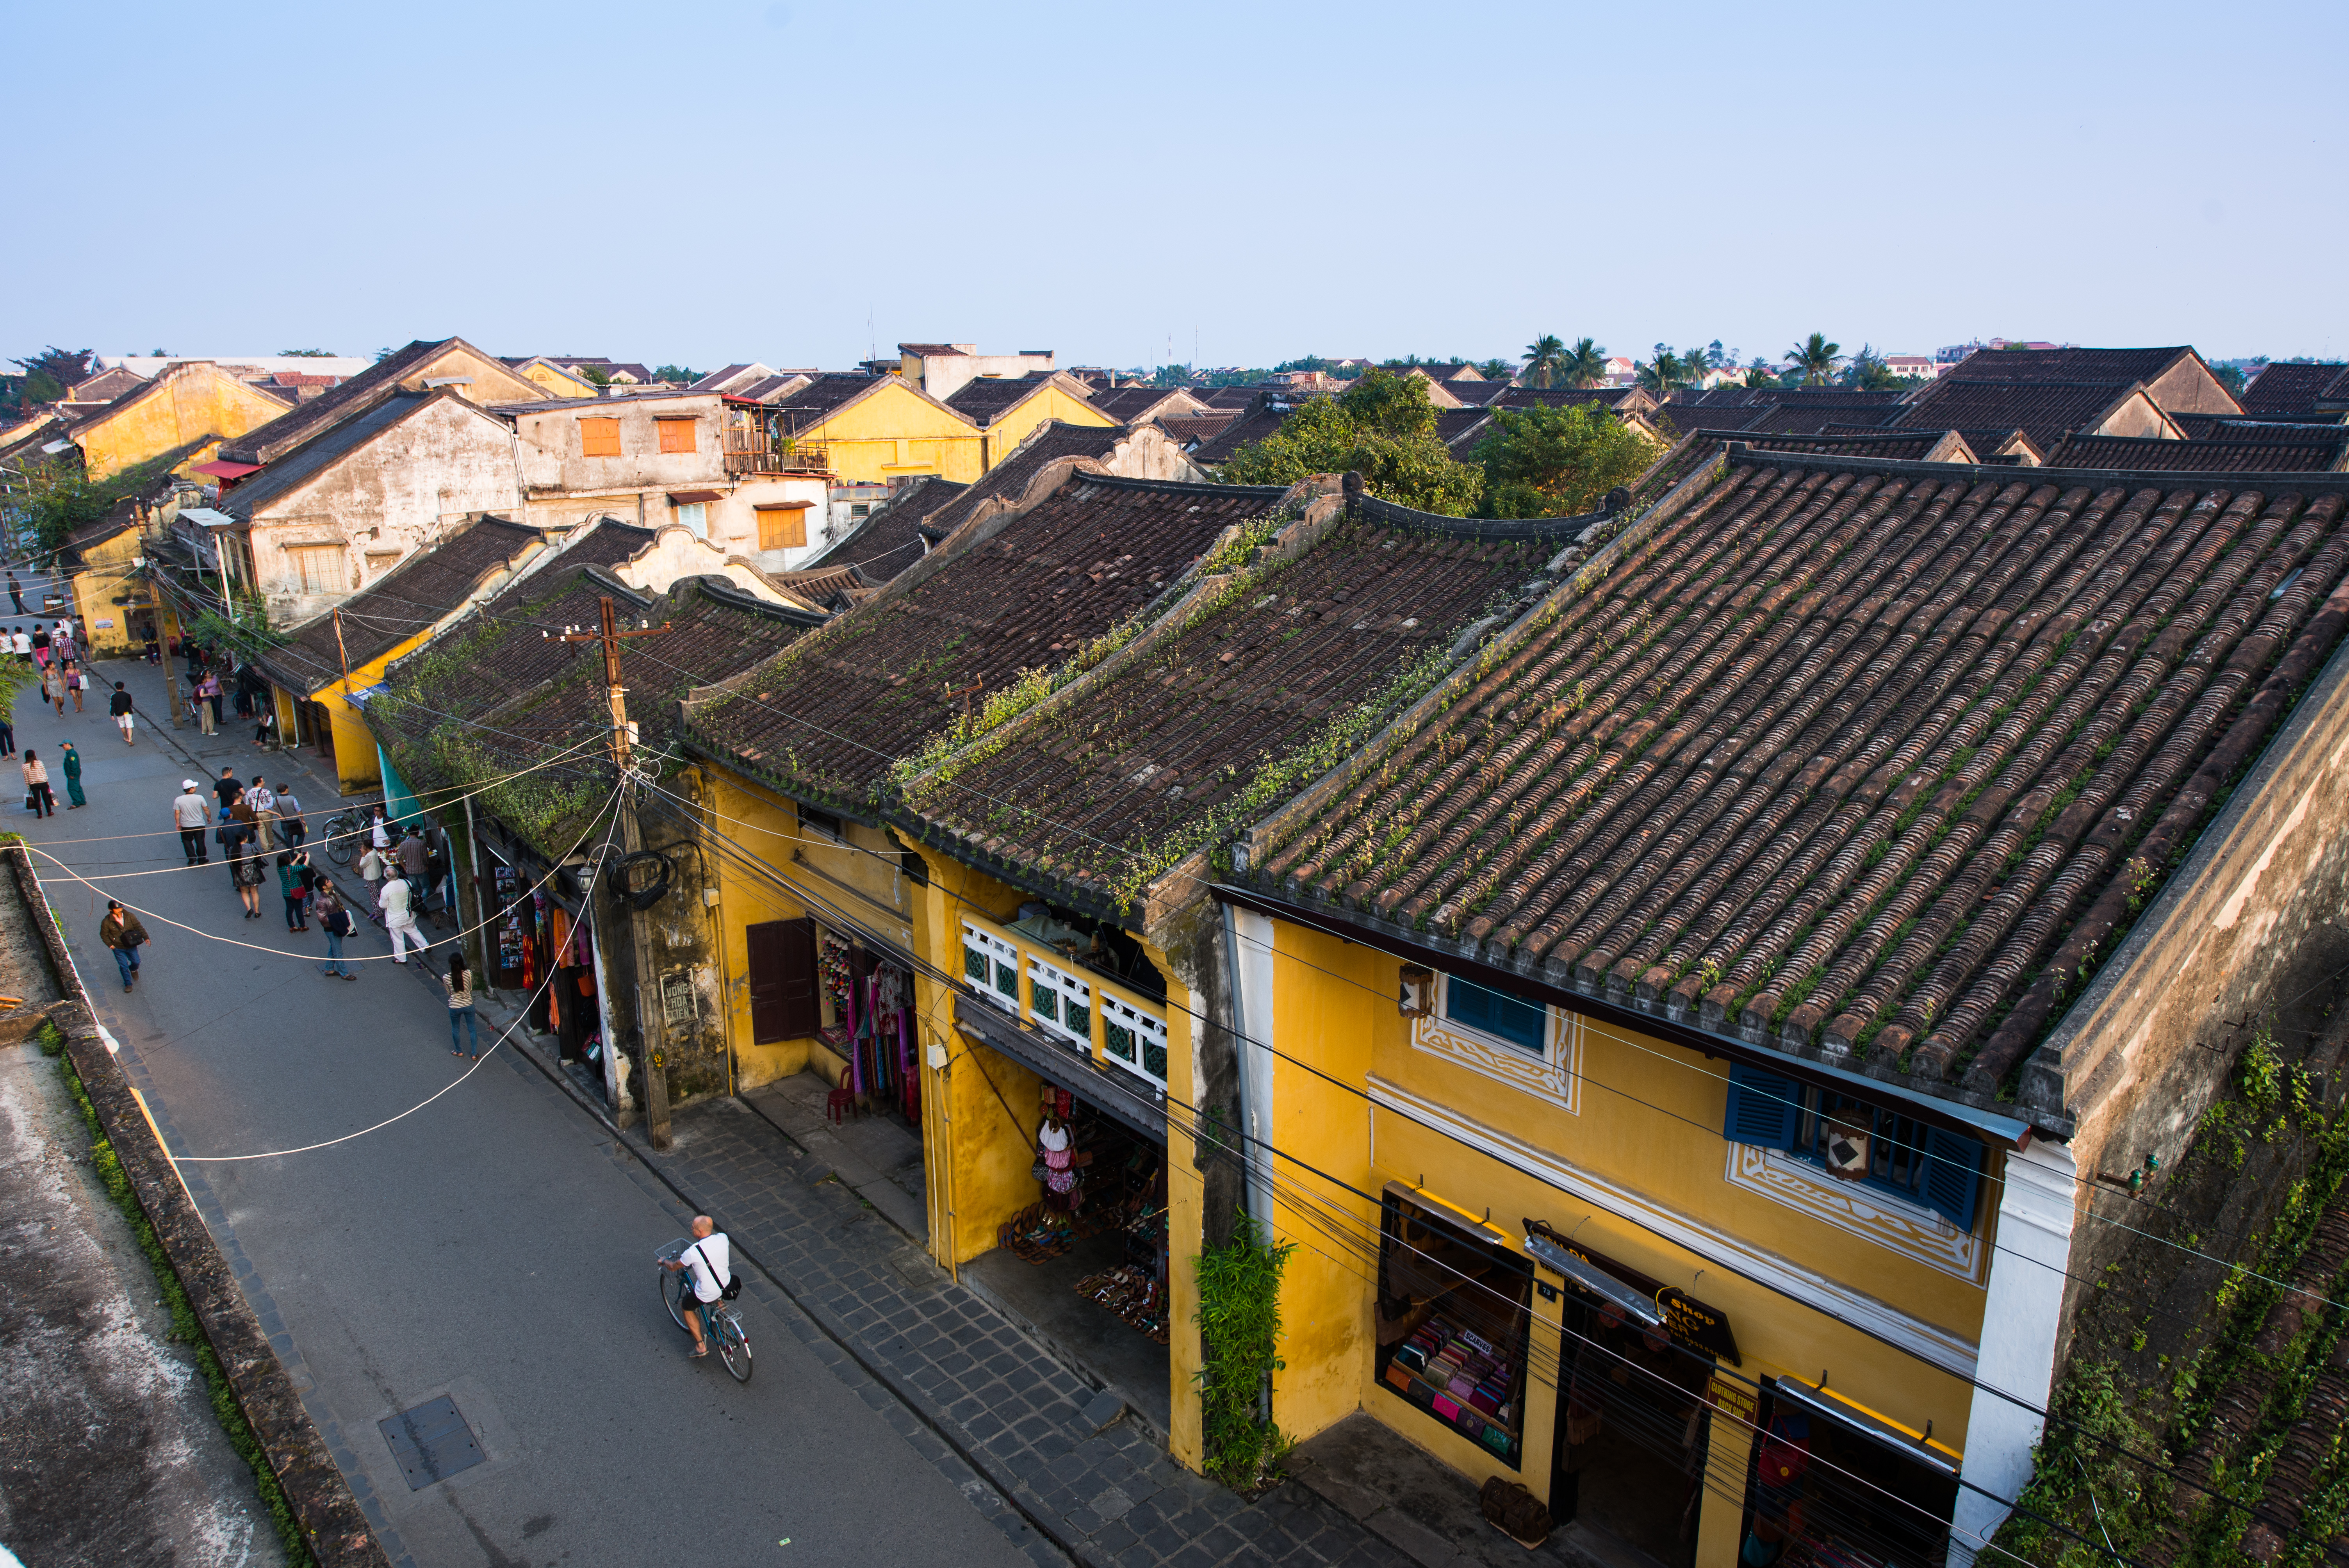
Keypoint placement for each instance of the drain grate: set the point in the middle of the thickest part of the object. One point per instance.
(432, 1442)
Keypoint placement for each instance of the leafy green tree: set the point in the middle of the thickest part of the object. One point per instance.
(1761, 375)
(1559, 462)
(1868, 373)
(50, 372)
(677, 373)
(1814, 359)
(1383, 428)
(1585, 364)
(56, 498)
(306, 353)
(2230, 377)
(1544, 360)
(596, 375)
(1495, 369)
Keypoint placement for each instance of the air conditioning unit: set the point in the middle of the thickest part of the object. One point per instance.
(1846, 1151)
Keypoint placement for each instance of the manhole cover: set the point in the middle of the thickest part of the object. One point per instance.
(432, 1442)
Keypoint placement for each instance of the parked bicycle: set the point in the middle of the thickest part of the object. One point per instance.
(346, 833)
(719, 1327)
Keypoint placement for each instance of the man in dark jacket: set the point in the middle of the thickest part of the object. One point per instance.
(121, 932)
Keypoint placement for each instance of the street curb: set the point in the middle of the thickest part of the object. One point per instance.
(338, 1533)
(1015, 1493)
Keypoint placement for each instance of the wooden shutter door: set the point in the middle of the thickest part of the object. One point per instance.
(1763, 1109)
(782, 980)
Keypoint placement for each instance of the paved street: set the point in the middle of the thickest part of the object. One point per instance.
(492, 1248)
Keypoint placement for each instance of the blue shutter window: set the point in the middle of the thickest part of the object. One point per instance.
(1525, 1024)
(1763, 1109)
(1953, 1167)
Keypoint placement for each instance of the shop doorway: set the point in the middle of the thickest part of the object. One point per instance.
(542, 947)
(1831, 1484)
(1084, 1268)
(1633, 1430)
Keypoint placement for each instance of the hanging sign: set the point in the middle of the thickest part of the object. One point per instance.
(1704, 1326)
(1687, 1319)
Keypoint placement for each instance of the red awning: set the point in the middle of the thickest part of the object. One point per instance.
(225, 469)
(690, 498)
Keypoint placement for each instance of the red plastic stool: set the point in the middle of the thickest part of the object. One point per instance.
(841, 1103)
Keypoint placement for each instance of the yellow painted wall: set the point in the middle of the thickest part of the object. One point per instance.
(355, 765)
(183, 407)
(1015, 425)
(107, 575)
(894, 432)
(842, 887)
(558, 382)
(1334, 1008)
(980, 1156)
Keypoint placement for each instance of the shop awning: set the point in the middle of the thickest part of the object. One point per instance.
(205, 517)
(694, 498)
(780, 505)
(225, 469)
(1107, 1089)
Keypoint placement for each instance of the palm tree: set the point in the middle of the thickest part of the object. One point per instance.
(1815, 360)
(1663, 373)
(1544, 358)
(1761, 375)
(1585, 364)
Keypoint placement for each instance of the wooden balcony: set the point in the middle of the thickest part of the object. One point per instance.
(757, 452)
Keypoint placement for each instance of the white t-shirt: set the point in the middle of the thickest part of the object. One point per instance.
(190, 810)
(712, 1263)
(24, 642)
(380, 834)
(393, 903)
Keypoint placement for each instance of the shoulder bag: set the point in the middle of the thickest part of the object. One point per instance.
(733, 1286)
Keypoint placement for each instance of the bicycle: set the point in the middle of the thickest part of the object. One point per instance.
(720, 1329)
(344, 832)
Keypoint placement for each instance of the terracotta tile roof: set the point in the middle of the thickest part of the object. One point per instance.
(1128, 405)
(2311, 454)
(1009, 479)
(1478, 394)
(2117, 368)
(522, 696)
(928, 350)
(2294, 389)
(1805, 417)
(986, 397)
(1909, 445)
(1200, 428)
(821, 395)
(1508, 396)
(2046, 410)
(1461, 428)
(889, 539)
(412, 595)
(297, 466)
(1687, 417)
(822, 586)
(1848, 759)
(1230, 396)
(828, 719)
(1234, 704)
(1254, 425)
(2258, 427)
(267, 443)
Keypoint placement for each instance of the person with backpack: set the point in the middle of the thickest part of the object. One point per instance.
(460, 987)
(335, 919)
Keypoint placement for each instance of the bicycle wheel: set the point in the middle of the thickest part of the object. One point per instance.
(339, 842)
(673, 1289)
(733, 1344)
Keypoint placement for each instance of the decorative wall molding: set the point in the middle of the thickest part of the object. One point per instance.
(1555, 1076)
(1869, 1212)
(1928, 1342)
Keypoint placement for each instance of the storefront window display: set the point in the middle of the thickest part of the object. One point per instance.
(1453, 1322)
(1104, 1196)
(1833, 1486)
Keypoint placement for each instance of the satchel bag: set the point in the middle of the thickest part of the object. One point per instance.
(733, 1286)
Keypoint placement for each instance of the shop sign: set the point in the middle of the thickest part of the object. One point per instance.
(1704, 1326)
(677, 1000)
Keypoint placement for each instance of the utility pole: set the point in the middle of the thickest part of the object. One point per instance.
(649, 1000)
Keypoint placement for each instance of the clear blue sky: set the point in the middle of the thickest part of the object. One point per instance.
(740, 179)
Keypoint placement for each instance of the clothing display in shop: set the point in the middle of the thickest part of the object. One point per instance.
(871, 1002)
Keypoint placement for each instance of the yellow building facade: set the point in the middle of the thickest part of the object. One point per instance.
(893, 430)
(1396, 1122)
(179, 407)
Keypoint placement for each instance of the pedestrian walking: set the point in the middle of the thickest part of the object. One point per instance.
(293, 886)
(265, 733)
(7, 739)
(124, 710)
(400, 918)
(70, 760)
(52, 688)
(20, 643)
(41, 645)
(191, 816)
(245, 869)
(413, 857)
(460, 987)
(37, 799)
(16, 595)
(265, 813)
(229, 791)
(63, 644)
(74, 683)
(208, 695)
(373, 867)
(291, 825)
(123, 933)
(335, 919)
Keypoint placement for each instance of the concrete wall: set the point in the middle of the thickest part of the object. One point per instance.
(551, 460)
(676, 551)
(943, 375)
(382, 502)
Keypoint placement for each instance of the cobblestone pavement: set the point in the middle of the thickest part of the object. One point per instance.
(966, 1388)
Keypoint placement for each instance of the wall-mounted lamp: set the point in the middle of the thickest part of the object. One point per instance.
(1417, 998)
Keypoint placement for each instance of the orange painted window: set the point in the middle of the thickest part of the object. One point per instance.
(676, 435)
(784, 528)
(599, 437)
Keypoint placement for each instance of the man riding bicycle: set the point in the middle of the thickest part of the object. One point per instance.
(712, 1261)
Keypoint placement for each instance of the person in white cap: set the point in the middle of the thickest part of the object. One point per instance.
(189, 813)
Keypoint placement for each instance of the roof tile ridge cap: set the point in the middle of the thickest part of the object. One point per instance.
(1466, 671)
